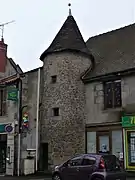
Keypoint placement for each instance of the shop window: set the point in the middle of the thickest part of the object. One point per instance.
(131, 148)
(3, 99)
(117, 148)
(91, 142)
(112, 94)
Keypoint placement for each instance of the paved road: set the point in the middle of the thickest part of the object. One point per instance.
(24, 178)
(36, 178)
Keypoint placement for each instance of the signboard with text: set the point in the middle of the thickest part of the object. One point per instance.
(128, 121)
(12, 94)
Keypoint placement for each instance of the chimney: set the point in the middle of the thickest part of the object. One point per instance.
(3, 56)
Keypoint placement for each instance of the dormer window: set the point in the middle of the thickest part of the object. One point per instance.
(53, 79)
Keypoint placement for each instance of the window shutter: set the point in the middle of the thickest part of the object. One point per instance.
(108, 95)
(117, 93)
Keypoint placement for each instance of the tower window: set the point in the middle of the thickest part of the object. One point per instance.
(55, 111)
(54, 79)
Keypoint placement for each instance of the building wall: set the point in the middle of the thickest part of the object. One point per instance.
(65, 132)
(9, 69)
(29, 91)
(9, 118)
(128, 94)
(95, 102)
(95, 105)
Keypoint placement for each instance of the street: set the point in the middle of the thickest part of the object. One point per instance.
(25, 178)
(37, 178)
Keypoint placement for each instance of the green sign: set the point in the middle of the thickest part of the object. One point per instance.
(13, 94)
(128, 121)
(2, 128)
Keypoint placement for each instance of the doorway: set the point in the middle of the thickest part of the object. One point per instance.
(3, 150)
(103, 142)
(44, 157)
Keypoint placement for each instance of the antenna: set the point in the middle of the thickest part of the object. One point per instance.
(2, 27)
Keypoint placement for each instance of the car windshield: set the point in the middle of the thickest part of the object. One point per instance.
(111, 162)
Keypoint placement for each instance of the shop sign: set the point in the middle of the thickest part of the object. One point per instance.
(13, 94)
(128, 121)
(2, 128)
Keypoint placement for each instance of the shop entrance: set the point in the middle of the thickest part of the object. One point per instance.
(3, 147)
(103, 142)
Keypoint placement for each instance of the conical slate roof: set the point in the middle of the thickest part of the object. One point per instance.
(68, 38)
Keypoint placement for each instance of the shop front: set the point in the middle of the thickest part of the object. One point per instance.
(6, 149)
(106, 138)
(128, 124)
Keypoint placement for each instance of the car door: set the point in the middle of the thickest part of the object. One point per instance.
(70, 172)
(113, 169)
(87, 168)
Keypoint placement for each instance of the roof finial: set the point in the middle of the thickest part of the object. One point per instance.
(70, 14)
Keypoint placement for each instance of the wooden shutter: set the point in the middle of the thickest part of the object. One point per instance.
(108, 95)
(117, 94)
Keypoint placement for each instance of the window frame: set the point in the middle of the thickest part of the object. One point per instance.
(53, 79)
(54, 111)
(113, 105)
(88, 158)
(80, 158)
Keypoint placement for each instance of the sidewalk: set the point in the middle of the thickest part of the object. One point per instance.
(24, 178)
(40, 176)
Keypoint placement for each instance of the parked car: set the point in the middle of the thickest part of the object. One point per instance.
(90, 167)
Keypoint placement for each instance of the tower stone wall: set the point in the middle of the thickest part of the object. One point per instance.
(65, 134)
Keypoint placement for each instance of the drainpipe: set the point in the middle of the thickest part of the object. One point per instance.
(37, 119)
(19, 123)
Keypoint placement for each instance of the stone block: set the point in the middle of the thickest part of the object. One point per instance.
(99, 87)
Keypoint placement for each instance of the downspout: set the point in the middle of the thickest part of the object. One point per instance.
(37, 119)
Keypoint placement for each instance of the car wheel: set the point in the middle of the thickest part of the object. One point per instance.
(56, 177)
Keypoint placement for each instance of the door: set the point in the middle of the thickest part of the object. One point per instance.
(2, 157)
(87, 168)
(113, 168)
(44, 157)
(71, 171)
(103, 142)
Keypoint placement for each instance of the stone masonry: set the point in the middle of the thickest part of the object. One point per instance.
(65, 134)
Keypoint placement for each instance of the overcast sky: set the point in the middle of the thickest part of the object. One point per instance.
(38, 21)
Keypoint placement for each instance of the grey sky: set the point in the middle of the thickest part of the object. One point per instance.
(38, 21)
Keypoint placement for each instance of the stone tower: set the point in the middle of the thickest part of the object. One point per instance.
(63, 97)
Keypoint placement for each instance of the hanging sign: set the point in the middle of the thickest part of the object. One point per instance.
(12, 94)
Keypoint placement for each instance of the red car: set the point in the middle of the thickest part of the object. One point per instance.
(90, 167)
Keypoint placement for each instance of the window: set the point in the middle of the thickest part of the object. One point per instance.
(55, 111)
(54, 79)
(88, 161)
(2, 102)
(112, 94)
(75, 161)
